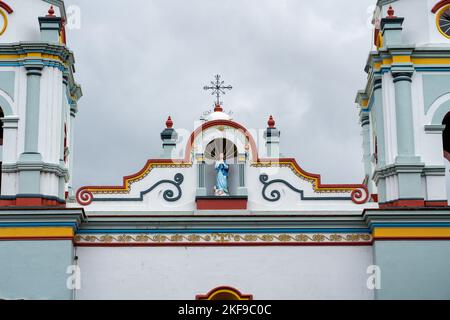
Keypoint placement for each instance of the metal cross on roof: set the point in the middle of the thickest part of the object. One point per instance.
(217, 88)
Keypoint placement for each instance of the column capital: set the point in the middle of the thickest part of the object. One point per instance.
(34, 68)
(377, 84)
(364, 119)
(402, 75)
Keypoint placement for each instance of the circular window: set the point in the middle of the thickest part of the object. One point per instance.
(443, 21)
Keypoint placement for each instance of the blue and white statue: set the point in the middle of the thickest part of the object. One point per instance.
(222, 168)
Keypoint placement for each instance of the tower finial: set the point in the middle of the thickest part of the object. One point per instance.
(218, 107)
(391, 13)
(51, 12)
(271, 122)
(169, 123)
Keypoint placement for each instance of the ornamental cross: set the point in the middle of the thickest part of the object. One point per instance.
(217, 88)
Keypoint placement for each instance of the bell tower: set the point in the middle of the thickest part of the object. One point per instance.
(38, 101)
(406, 99)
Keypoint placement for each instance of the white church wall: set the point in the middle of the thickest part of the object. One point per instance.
(183, 272)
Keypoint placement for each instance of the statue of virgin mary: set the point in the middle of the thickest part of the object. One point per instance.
(222, 168)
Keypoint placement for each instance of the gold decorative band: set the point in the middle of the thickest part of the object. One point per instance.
(222, 238)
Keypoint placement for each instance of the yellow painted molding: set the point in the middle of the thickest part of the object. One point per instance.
(430, 60)
(411, 233)
(34, 55)
(37, 232)
(401, 59)
(387, 61)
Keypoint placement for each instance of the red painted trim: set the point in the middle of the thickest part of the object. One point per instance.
(402, 203)
(6, 7)
(221, 204)
(237, 244)
(374, 197)
(214, 123)
(30, 202)
(439, 5)
(220, 288)
(375, 37)
(436, 204)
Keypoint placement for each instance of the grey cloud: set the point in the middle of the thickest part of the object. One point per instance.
(139, 61)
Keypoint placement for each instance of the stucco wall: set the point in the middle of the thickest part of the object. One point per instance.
(413, 269)
(35, 269)
(266, 272)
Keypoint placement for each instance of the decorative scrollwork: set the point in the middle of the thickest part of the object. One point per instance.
(84, 197)
(168, 195)
(360, 195)
(275, 195)
(223, 238)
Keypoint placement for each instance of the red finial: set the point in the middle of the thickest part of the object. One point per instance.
(271, 122)
(169, 123)
(218, 108)
(391, 13)
(51, 12)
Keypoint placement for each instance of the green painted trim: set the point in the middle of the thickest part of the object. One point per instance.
(29, 182)
(434, 128)
(7, 83)
(434, 87)
(440, 113)
(59, 170)
(6, 107)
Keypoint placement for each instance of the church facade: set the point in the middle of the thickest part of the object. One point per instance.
(223, 216)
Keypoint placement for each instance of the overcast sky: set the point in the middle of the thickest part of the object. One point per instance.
(139, 61)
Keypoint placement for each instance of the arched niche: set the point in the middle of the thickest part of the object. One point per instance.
(438, 110)
(235, 143)
(211, 155)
